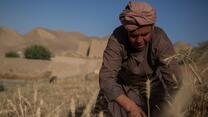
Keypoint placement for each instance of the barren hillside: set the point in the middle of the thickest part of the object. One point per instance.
(10, 40)
(61, 43)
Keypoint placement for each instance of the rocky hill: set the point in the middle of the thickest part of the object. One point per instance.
(61, 43)
(10, 40)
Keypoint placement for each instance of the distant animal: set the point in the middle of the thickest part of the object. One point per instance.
(53, 79)
(1, 88)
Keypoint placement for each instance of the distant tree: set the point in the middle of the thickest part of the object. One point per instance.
(12, 54)
(37, 52)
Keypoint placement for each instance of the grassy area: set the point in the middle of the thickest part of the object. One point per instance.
(192, 99)
(75, 96)
(63, 98)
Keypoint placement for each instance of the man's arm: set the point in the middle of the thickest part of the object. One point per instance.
(111, 65)
(167, 66)
(130, 106)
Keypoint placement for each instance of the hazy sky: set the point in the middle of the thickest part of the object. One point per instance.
(185, 20)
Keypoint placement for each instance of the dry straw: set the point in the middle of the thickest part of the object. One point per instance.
(185, 94)
(72, 107)
(148, 93)
(87, 111)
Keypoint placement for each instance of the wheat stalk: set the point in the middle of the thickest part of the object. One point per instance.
(72, 107)
(56, 109)
(27, 102)
(25, 109)
(20, 102)
(87, 110)
(195, 73)
(14, 108)
(6, 111)
(148, 93)
(57, 113)
(35, 95)
(38, 112)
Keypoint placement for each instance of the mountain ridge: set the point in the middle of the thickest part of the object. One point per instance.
(58, 41)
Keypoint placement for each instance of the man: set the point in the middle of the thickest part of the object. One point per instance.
(137, 52)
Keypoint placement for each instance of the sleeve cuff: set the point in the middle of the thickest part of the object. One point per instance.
(114, 93)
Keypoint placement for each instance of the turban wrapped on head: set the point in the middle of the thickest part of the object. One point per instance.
(137, 14)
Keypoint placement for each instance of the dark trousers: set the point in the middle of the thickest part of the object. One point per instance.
(158, 103)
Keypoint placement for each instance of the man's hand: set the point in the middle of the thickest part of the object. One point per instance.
(136, 111)
(130, 106)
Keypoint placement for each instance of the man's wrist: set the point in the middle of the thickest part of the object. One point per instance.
(125, 102)
(131, 106)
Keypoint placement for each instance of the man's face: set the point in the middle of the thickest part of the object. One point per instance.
(139, 37)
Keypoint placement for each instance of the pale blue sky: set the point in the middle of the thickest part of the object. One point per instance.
(184, 20)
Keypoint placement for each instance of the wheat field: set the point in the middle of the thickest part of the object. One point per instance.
(76, 96)
(67, 97)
